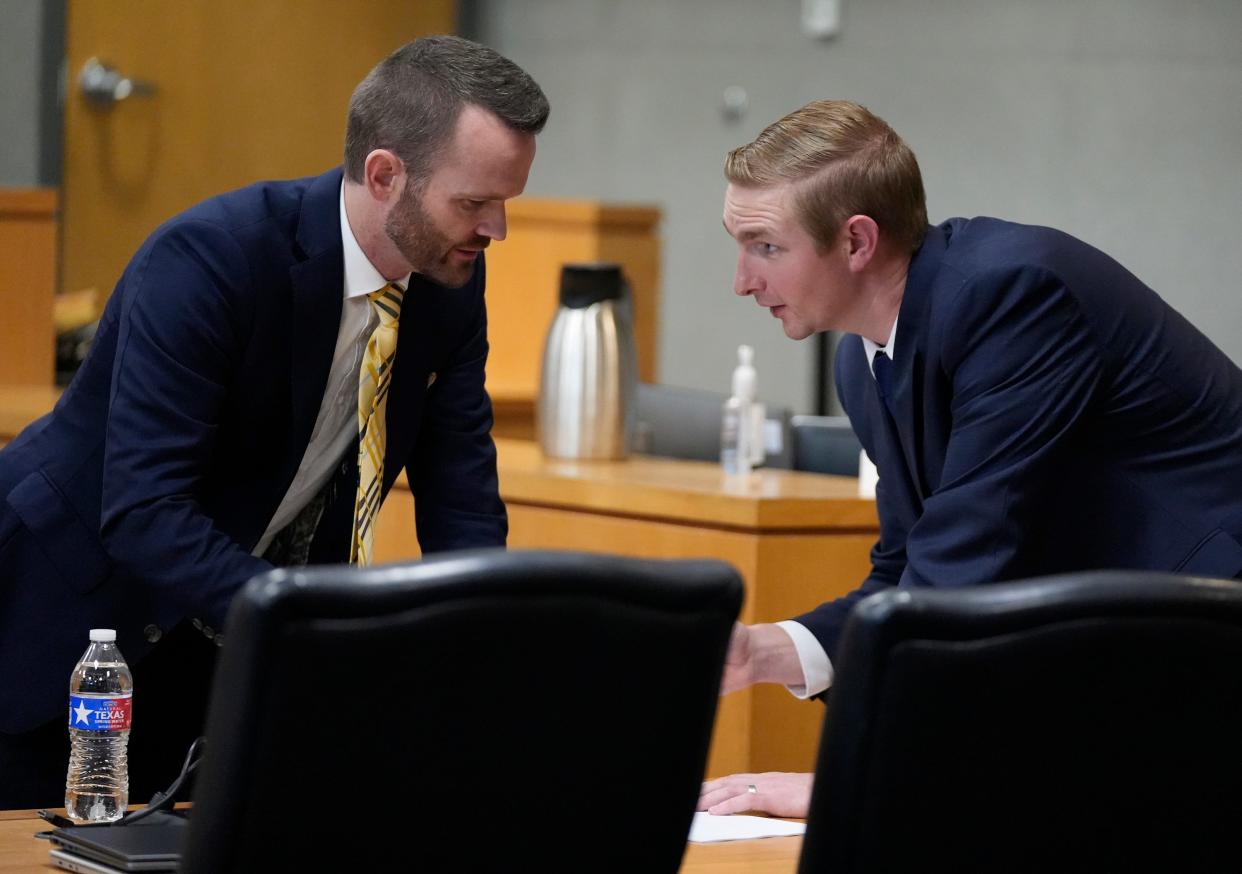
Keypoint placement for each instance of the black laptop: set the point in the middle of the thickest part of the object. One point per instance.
(153, 845)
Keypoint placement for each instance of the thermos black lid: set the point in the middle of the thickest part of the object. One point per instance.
(585, 284)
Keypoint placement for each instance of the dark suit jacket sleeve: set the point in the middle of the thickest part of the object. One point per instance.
(177, 352)
(453, 471)
(888, 559)
(1023, 365)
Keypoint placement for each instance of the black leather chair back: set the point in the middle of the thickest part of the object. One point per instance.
(825, 444)
(1086, 722)
(486, 711)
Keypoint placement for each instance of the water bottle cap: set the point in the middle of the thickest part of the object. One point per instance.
(585, 284)
(103, 635)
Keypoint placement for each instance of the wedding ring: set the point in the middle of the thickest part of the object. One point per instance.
(752, 789)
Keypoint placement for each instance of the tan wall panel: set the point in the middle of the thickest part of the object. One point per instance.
(27, 283)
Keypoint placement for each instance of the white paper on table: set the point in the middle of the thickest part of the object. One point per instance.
(708, 829)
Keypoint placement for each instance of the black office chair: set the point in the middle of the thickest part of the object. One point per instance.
(674, 422)
(485, 711)
(1086, 722)
(824, 444)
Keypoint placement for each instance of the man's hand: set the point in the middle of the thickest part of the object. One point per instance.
(737, 669)
(760, 654)
(776, 793)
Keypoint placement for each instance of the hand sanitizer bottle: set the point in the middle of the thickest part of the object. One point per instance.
(736, 424)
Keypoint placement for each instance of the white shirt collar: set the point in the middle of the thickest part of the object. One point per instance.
(361, 277)
(888, 348)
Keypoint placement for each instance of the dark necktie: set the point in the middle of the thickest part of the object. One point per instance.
(882, 366)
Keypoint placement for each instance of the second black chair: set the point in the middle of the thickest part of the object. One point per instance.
(1077, 723)
(486, 711)
(825, 444)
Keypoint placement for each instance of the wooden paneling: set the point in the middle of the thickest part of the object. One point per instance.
(799, 571)
(22, 404)
(246, 91)
(28, 226)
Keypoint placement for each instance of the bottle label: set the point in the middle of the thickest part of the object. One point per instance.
(100, 714)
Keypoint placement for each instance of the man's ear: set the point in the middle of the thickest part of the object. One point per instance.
(862, 236)
(383, 174)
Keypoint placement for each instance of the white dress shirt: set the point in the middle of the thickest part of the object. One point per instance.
(816, 666)
(336, 426)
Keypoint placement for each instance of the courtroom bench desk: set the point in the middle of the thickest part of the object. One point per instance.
(796, 538)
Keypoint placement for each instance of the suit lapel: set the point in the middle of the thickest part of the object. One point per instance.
(909, 426)
(317, 284)
(889, 447)
(908, 365)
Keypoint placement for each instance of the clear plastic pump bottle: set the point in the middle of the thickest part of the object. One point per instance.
(737, 432)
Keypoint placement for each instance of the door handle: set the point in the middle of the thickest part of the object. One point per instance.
(102, 85)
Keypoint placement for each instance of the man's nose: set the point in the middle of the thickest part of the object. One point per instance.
(744, 282)
(494, 224)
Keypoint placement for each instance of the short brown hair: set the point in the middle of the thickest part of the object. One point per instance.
(410, 101)
(849, 162)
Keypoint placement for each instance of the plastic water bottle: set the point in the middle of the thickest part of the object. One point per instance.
(101, 693)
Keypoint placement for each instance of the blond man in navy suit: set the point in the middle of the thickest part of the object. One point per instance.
(1031, 406)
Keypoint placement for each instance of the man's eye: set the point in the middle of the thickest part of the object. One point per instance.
(475, 204)
(765, 249)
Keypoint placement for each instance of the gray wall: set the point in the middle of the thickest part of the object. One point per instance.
(1119, 121)
(21, 29)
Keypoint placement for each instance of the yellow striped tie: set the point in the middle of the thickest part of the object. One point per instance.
(373, 380)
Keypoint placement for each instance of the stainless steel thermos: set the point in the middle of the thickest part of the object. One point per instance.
(590, 371)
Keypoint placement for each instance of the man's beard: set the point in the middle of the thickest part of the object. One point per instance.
(428, 249)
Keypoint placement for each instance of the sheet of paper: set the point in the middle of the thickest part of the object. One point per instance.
(707, 829)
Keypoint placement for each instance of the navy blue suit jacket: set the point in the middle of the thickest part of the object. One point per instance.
(138, 500)
(1050, 413)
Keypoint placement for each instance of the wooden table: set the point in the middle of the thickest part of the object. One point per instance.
(798, 539)
(21, 853)
(767, 856)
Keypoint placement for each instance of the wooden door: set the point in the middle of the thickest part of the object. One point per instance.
(244, 90)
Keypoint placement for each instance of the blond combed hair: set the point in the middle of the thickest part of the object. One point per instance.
(844, 161)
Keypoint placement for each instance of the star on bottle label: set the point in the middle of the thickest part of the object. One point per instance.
(83, 712)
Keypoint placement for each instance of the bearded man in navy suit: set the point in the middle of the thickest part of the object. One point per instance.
(1030, 405)
(213, 431)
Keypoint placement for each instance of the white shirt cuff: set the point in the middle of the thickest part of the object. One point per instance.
(816, 666)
